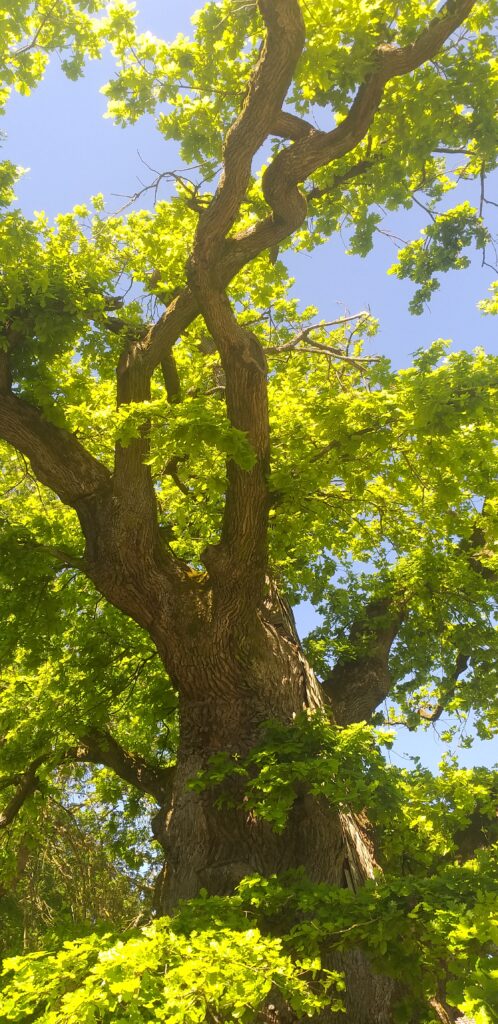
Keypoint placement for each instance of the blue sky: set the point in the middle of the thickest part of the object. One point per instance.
(73, 152)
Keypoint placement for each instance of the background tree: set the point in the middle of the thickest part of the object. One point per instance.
(175, 480)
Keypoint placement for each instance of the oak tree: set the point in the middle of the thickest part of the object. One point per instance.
(186, 454)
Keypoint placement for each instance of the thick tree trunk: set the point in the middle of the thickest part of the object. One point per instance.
(230, 690)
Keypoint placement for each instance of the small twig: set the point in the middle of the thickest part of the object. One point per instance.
(423, 207)
(193, 199)
(448, 151)
(359, 362)
(30, 46)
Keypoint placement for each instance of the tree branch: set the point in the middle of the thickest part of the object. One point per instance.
(27, 783)
(355, 687)
(240, 558)
(99, 747)
(293, 165)
(304, 333)
(58, 459)
(313, 149)
(238, 562)
(262, 108)
(290, 126)
(56, 456)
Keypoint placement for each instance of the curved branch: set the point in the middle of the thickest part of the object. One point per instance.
(215, 259)
(317, 149)
(240, 558)
(268, 87)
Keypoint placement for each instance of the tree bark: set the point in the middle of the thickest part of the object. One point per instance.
(230, 687)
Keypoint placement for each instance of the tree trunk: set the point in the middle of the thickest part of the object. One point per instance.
(228, 692)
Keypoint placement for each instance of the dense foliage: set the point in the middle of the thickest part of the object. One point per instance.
(382, 499)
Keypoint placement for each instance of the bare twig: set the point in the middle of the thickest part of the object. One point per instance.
(306, 331)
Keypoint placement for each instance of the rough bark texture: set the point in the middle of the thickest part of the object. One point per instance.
(267, 678)
(257, 676)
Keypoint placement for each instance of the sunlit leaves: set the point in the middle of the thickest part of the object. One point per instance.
(429, 820)
(178, 978)
(184, 970)
(440, 249)
(31, 31)
(195, 85)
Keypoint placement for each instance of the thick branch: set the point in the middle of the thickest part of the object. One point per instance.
(58, 459)
(114, 530)
(241, 554)
(27, 783)
(240, 558)
(312, 149)
(357, 686)
(99, 747)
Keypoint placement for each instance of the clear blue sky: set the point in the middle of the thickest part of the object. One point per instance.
(73, 152)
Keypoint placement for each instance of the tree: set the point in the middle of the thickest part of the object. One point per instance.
(186, 454)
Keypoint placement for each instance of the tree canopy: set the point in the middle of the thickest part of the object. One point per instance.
(186, 452)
